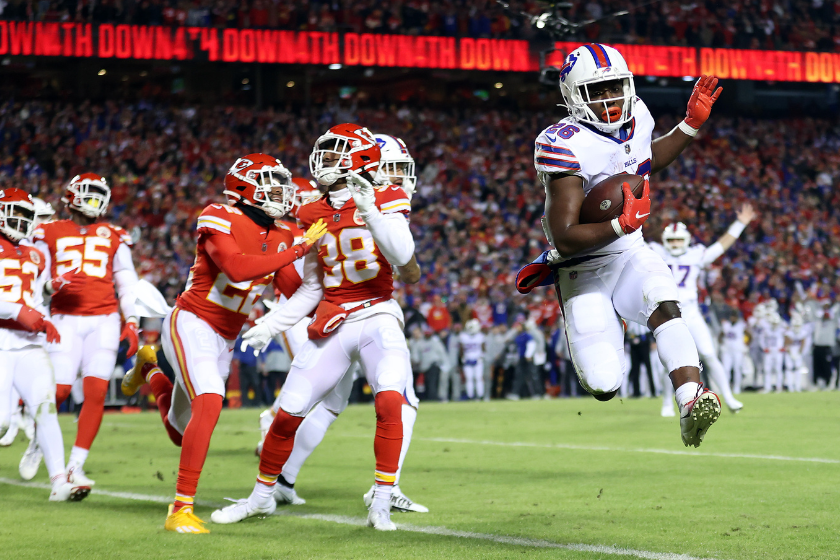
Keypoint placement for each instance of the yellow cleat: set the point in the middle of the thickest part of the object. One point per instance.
(136, 377)
(184, 521)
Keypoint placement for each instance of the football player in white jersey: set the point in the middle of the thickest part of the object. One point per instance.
(605, 271)
(772, 343)
(687, 261)
(472, 351)
(396, 168)
(797, 343)
(733, 329)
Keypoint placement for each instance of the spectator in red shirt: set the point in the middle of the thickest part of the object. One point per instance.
(438, 316)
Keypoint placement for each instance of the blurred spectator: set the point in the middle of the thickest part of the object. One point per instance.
(249, 377)
(450, 379)
(274, 366)
(437, 316)
(639, 339)
(825, 342)
(428, 359)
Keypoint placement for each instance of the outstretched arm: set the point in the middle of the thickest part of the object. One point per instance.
(745, 215)
(666, 149)
(410, 273)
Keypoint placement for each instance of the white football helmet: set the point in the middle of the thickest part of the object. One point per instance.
(774, 318)
(592, 64)
(676, 238)
(43, 211)
(473, 326)
(796, 321)
(397, 165)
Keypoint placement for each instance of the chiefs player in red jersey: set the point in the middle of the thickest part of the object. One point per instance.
(24, 364)
(87, 257)
(349, 279)
(239, 249)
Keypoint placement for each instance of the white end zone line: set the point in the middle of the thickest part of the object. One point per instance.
(425, 529)
(615, 449)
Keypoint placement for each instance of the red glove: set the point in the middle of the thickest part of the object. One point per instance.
(700, 103)
(130, 332)
(635, 211)
(52, 332)
(30, 319)
(71, 281)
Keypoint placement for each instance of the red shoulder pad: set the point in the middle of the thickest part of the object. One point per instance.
(217, 218)
(391, 199)
(309, 213)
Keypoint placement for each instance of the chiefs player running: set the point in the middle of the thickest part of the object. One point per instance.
(87, 258)
(239, 249)
(24, 364)
(396, 168)
(352, 274)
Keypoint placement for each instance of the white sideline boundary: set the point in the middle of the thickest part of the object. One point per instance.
(425, 529)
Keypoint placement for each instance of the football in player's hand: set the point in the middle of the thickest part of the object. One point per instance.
(606, 200)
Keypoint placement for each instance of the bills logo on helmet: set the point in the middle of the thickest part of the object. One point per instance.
(380, 142)
(567, 67)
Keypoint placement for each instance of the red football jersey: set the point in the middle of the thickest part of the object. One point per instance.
(210, 294)
(91, 249)
(20, 266)
(354, 267)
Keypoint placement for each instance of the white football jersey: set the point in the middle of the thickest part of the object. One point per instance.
(800, 334)
(571, 147)
(773, 336)
(472, 346)
(733, 333)
(688, 266)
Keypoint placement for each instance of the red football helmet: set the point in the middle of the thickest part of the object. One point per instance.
(88, 193)
(17, 214)
(306, 191)
(352, 148)
(261, 181)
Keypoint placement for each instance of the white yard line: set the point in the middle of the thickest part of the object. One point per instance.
(429, 530)
(613, 449)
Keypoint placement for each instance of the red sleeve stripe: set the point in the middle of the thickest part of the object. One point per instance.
(554, 149)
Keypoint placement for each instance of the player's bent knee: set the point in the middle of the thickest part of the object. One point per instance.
(675, 345)
(391, 373)
(296, 396)
(599, 367)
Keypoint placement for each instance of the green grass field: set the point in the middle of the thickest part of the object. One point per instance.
(570, 479)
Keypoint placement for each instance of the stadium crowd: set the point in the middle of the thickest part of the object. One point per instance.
(783, 24)
(476, 215)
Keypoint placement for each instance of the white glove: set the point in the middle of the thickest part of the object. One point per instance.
(362, 192)
(257, 337)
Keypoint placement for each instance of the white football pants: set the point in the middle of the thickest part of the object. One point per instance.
(772, 365)
(732, 359)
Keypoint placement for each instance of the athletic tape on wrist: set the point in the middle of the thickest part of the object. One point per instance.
(617, 227)
(736, 229)
(689, 130)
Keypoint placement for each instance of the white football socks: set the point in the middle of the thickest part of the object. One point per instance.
(310, 434)
(49, 439)
(686, 392)
(382, 497)
(261, 494)
(78, 456)
(409, 416)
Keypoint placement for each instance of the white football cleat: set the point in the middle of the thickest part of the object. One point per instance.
(30, 461)
(10, 435)
(735, 406)
(266, 418)
(286, 495)
(380, 520)
(77, 476)
(65, 491)
(697, 416)
(399, 501)
(240, 510)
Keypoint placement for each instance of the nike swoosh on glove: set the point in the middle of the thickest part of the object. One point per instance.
(635, 212)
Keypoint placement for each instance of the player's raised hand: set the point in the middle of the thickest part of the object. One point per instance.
(635, 211)
(700, 103)
(362, 191)
(746, 214)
